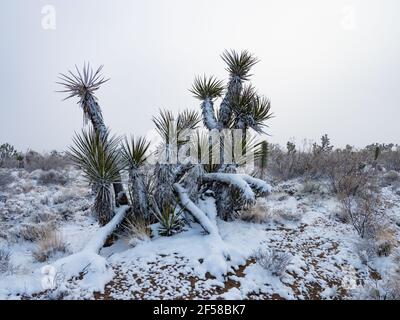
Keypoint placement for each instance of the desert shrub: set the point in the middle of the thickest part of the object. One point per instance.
(6, 178)
(346, 172)
(385, 240)
(49, 246)
(273, 260)
(35, 232)
(366, 250)
(311, 187)
(258, 214)
(9, 157)
(52, 177)
(391, 177)
(53, 161)
(5, 263)
(135, 229)
(363, 212)
(287, 215)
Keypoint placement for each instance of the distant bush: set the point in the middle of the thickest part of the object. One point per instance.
(9, 157)
(273, 260)
(6, 178)
(53, 161)
(52, 177)
(391, 177)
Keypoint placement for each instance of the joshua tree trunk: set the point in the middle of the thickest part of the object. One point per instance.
(138, 192)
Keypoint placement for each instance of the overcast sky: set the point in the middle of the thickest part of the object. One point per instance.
(328, 66)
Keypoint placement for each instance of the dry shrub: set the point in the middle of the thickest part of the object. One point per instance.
(273, 260)
(53, 161)
(391, 177)
(5, 264)
(258, 213)
(385, 240)
(6, 178)
(49, 246)
(311, 187)
(35, 232)
(52, 177)
(363, 212)
(288, 215)
(135, 230)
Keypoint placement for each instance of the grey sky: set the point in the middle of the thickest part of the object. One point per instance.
(328, 66)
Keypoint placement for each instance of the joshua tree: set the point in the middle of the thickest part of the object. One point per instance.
(98, 157)
(242, 108)
(84, 85)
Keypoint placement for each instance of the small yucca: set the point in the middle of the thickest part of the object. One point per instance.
(170, 218)
(99, 159)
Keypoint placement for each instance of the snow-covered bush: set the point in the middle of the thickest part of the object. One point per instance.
(385, 240)
(52, 177)
(273, 260)
(311, 187)
(391, 177)
(49, 246)
(363, 211)
(5, 263)
(6, 178)
(53, 161)
(9, 157)
(366, 250)
(287, 214)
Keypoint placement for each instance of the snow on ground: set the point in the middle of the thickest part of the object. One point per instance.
(324, 259)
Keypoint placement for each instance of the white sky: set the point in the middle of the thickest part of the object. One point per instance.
(328, 66)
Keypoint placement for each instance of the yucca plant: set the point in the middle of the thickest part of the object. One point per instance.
(261, 156)
(170, 218)
(99, 159)
(83, 85)
(135, 153)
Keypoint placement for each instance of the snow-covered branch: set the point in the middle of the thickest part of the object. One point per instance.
(234, 180)
(197, 213)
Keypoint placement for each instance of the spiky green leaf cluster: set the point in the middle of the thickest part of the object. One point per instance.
(260, 113)
(175, 130)
(207, 88)
(135, 151)
(239, 64)
(81, 83)
(170, 219)
(97, 156)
